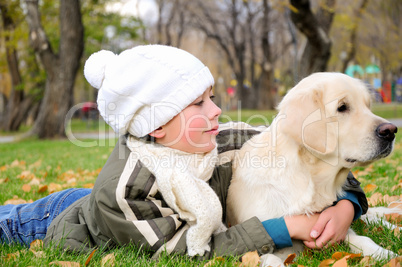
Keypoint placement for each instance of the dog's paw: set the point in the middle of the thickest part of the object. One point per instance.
(197, 250)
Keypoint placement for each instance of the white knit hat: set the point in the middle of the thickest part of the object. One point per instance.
(144, 87)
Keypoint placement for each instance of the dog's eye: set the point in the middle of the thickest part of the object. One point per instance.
(342, 108)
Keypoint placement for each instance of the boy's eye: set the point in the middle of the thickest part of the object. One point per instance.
(199, 103)
(212, 97)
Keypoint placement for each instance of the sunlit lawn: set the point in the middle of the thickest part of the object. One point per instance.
(31, 169)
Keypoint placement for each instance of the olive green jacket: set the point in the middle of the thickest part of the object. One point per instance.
(107, 217)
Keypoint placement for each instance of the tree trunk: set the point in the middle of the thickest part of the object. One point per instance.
(61, 68)
(266, 96)
(17, 105)
(351, 48)
(318, 48)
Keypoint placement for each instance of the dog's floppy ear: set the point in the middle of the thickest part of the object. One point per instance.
(304, 120)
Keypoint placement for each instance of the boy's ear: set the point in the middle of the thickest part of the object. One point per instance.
(158, 133)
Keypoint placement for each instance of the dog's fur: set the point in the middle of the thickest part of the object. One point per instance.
(298, 165)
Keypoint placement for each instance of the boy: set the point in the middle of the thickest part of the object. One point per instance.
(152, 190)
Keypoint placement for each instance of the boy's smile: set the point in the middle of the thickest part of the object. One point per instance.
(194, 129)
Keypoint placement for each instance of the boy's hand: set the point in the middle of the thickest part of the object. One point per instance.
(300, 226)
(332, 225)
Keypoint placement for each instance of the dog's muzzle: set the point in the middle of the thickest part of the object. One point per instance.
(386, 134)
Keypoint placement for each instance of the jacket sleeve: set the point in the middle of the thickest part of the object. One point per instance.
(356, 195)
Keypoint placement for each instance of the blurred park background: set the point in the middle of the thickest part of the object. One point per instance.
(256, 50)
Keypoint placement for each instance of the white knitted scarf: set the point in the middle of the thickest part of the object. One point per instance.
(182, 179)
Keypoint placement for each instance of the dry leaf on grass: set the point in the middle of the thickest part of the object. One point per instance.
(109, 260)
(90, 257)
(38, 254)
(341, 254)
(65, 263)
(42, 188)
(12, 256)
(36, 164)
(378, 198)
(396, 204)
(396, 232)
(366, 261)
(37, 244)
(289, 259)
(53, 187)
(17, 163)
(26, 175)
(342, 262)
(209, 263)
(395, 218)
(90, 185)
(34, 181)
(15, 201)
(5, 180)
(326, 263)
(26, 188)
(396, 262)
(250, 259)
(370, 187)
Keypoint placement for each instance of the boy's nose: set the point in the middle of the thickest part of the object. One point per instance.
(215, 111)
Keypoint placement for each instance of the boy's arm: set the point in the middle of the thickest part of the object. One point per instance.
(237, 240)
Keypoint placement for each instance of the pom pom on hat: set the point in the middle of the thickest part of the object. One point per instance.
(94, 69)
(144, 87)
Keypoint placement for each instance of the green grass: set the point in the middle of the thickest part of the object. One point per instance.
(60, 161)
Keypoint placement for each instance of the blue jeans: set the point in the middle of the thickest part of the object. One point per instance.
(24, 223)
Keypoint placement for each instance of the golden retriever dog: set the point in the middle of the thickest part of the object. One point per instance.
(298, 164)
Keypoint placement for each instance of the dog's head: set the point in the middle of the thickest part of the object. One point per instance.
(329, 115)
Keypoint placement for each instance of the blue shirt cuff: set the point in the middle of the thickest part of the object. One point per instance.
(353, 198)
(278, 231)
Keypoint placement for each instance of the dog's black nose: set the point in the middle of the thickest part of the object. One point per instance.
(387, 131)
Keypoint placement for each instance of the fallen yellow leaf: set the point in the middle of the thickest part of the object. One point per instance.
(250, 259)
(289, 259)
(366, 261)
(370, 187)
(396, 262)
(109, 260)
(26, 188)
(53, 187)
(34, 181)
(13, 256)
(36, 164)
(15, 201)
(396, 232)
(342, 262)
(90, 185)
(339, 255)
(212, 262)
(38, 254)
(36, 245)
(42, 188)
(395, 204)
(326, 263)
(65, 263)
(394, 218)
(90, 257)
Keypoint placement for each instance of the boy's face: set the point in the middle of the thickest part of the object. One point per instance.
(194, 129)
